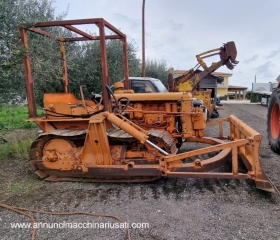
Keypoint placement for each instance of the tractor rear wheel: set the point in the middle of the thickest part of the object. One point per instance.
(273, 121)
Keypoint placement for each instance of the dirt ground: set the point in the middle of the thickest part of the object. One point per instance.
(173, 208)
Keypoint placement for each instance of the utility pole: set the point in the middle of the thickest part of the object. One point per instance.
(253, 96)
(143, 40)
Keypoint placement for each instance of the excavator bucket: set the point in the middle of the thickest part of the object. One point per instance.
(228, 55)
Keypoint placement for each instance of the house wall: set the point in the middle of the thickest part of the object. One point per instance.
(222, 88)
(222, 92)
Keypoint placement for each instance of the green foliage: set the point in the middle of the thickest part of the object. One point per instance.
(248, 94)
(157, 69)
(13, 116)
(17, 149)
(13, 13)
(255, 98)
(17, 134)
(225, 97)
(14, 188)
(20, 187)
(84, 65)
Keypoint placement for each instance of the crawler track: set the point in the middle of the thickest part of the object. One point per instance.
(76, 139)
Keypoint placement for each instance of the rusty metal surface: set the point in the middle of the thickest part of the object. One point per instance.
(207, 175)
(169, 143)
(65, 132)
(224, 153)
(95, 21)
(119, 134)
(160, 136)
(71, 25)
(64, 67)
(28, 76)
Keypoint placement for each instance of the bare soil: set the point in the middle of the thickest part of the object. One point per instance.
(174, 208)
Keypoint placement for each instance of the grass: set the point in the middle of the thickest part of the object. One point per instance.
(14, 188)
(16, 135)
(17, 149)
(13, 116)
(19, 187)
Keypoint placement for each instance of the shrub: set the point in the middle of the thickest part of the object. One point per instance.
(225, 97)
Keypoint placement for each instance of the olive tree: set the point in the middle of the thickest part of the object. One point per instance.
(12, 13)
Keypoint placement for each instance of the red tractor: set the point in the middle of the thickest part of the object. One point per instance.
(273, 119)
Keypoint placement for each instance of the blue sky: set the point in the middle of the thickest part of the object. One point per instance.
(177, 30)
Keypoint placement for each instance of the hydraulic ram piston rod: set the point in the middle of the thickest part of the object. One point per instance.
(131, 130)
(158, 148)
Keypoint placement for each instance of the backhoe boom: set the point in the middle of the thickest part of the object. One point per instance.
(190, 80)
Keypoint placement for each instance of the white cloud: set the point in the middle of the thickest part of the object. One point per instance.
(274, 53)
(251, 59)
(176, 31)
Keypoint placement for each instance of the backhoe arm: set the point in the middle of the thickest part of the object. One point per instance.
(190, 80)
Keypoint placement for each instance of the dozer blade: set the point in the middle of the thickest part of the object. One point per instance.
(243, 146)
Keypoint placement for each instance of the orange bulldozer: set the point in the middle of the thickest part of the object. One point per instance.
(127, 136)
